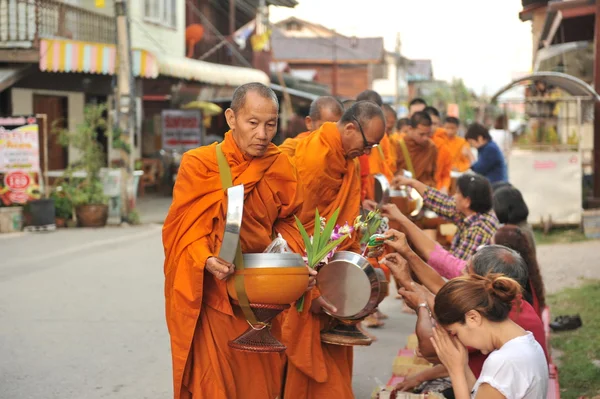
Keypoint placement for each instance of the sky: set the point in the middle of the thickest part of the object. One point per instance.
(481, 41)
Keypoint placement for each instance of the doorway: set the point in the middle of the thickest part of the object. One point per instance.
(56, 108)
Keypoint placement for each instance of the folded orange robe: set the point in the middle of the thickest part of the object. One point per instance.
(288, 147)
(200, 317)
(444, 161)
(424, 160)
(455, 146)
(330, 181)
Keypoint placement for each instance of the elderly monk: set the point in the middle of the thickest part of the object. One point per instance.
(377, 157)
(444, 159)
(323, 109)
(330, 179)
(460, 150)
(200, 316)
(416, 152)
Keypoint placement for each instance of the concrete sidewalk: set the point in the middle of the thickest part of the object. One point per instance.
(153, 208)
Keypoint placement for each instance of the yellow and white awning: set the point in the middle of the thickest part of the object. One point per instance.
(207, 72)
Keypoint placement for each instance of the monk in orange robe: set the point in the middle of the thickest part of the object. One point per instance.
(460, 151)
(323, 109)
(330, 180)
(444, 160)
(200, 317)
(417, 153)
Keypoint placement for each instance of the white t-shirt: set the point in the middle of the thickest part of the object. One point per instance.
(518, 370)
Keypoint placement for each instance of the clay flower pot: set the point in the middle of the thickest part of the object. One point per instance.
(91, 215)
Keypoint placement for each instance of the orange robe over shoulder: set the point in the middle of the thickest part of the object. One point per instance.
(288, 147)
(455, 146)
(330, 181)
(444, 162)
(200, 317)
(366, 191)
(424, 160)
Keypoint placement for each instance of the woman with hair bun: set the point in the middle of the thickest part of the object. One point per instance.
(473, 312)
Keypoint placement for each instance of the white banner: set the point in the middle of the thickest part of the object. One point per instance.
(181, 129)
(551, 184)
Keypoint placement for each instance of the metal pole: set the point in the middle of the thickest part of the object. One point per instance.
(232, 26)
(596, 154)
(125, 101)
(44, 119)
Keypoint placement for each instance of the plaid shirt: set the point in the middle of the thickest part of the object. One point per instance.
(473, 231)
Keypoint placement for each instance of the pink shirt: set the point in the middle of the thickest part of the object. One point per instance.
(446, 264)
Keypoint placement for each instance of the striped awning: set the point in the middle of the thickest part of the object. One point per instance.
(59, 55)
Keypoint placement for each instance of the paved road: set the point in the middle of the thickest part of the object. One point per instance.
(82, 316)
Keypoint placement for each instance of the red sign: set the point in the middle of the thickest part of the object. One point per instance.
(182, 122)
(544, 165)
(17, 181)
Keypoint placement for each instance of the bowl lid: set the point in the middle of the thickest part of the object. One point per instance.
(266, 260)
(345, 282)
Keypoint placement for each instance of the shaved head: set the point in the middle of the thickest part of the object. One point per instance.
(390, 118)
(370, 95)
(240, 94)
(348, 103)
(323, 109)
(362, 126)
(325, 103)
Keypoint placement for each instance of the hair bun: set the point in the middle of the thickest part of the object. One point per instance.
(502, 287)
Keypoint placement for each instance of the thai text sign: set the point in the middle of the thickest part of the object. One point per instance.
(19, 160)
(181, 129)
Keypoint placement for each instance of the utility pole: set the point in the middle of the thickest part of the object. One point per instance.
(334, 67)
(596, 154)
(125, 104)
(232, 26)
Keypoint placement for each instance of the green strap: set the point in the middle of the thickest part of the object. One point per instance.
(240, 287)
(406, 154)
(381, 152)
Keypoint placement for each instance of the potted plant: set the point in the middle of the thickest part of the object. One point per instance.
(63, 206)
(85, 190)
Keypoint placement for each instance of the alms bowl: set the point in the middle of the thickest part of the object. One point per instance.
(275, 279)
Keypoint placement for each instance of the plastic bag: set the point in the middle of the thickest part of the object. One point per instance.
(277, 246)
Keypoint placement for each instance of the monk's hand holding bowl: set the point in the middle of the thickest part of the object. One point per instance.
(312, 278)
(219, 268)
(319, 304)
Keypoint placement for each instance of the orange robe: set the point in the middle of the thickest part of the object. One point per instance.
(366, 191)
(330, 181)
(444, 162)
(379, 164)
(455, 146)
(424, 160)
(289, 145)
(200, 317)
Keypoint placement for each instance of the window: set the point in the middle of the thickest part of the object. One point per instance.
(162, 12)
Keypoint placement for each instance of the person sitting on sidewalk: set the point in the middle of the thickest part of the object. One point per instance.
(470, 209)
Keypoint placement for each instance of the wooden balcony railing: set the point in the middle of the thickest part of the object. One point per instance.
(24, 22)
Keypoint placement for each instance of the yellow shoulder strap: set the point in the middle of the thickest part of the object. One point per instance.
(240, 287)
(406, 154)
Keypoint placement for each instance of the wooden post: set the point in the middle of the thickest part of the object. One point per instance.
(596, 154)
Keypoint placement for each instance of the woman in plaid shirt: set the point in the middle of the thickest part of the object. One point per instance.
(470, 210)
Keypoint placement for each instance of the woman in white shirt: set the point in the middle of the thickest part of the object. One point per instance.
(473, 311)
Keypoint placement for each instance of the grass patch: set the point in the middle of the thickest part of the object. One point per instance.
(578, 375)
(559, 236)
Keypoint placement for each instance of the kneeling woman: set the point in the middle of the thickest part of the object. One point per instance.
(473, 311)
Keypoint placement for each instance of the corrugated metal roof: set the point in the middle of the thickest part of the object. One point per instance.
(283, 3)
(369, 49)
(419, 70)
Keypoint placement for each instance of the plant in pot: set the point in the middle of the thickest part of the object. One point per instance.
(85, 190)
(63, 206)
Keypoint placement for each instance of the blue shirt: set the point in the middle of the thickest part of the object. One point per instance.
(490, 163)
